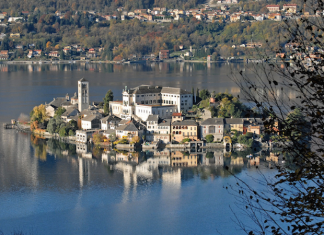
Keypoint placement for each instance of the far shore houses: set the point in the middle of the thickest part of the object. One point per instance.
(151, 113)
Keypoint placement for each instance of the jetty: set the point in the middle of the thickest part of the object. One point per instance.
(23, 128)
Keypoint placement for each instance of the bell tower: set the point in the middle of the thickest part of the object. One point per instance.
(83, 94)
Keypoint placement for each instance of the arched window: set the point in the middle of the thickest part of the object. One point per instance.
(177, 132)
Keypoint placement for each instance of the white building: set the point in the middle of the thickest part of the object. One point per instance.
(158, 129)
(145, 100)
(109, 122)
(90, 122)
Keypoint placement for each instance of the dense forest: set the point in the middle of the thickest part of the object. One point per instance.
(97, 5)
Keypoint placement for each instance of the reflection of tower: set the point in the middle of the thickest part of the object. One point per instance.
(83, 97)
(84, 171)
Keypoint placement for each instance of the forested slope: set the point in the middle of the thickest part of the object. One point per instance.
(97, 5)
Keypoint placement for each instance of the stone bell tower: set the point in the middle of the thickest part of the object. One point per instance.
(83, 94)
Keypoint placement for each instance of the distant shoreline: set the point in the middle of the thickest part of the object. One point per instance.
(33, 62)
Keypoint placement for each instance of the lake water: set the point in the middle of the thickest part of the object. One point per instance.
(49, 188)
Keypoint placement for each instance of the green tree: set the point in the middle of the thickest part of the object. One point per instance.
(62, 131)
(51, 125)
(62, 55)
(209, 138)
(71, 133)
(204, 94)
(60, 111)
(108, 97)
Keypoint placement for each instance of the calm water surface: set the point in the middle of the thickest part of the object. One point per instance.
(48, 188)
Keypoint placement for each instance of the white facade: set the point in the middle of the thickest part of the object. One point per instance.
(83, 136)
(86, 125)
(83, 94)
(145, 100)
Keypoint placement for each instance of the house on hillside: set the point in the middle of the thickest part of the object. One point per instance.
(273, 8)
(164, 54)
(4, 55)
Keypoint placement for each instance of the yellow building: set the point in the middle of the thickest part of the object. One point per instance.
(184, 129)
(180, 159)
(234, 124)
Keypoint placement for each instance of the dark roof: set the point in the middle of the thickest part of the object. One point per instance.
(213, 121)
(127, 127)
(174, 90)
(75, 118)
(144, 89)
(153, 118)
(110, 131)
(57, 102)
(69, 111)
(90, 118)
(234, 120)
(88, 112)
(111, 118)
(122, 122)
(185, 123)
(66, 103)
(165, 122)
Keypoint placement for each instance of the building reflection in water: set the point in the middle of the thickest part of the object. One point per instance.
(170, 167)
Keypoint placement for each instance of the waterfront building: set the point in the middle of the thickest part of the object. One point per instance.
(83, 94)
(158, 129)
(213, 126)
(129, 130)
(83, 136)
(184, 129)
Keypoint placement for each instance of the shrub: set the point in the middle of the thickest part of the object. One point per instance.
(122, 141)
(185, 140)
(209, 138)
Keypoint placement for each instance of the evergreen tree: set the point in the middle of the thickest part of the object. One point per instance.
(109, 97)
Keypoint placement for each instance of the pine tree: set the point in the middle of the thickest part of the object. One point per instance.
(109, 97)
